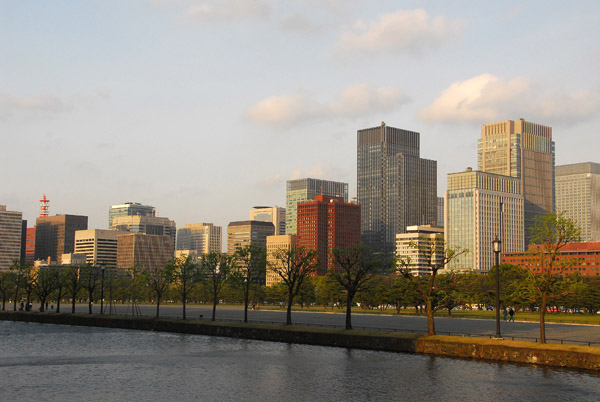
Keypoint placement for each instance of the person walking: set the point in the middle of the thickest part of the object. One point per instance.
(505, 313)
(511, 312)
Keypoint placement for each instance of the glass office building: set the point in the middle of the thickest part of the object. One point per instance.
(129, 209)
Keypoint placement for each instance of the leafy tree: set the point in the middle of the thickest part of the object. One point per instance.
(60, 277)
(216, 270)
(186, 276)
(24, 273)
(307, 293)
(73, 284)
(44, 283)
(550, 233)
(251, 269)
(7, 284)
(357, 267)
(436, 255)
(293, 265)
(89, 275)
(402, 293)
(158, 280)
(328, 292)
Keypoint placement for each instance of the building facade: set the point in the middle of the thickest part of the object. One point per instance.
(578, 196)
(129, 209)
(275, 243)
(144, 251)
(245, 233)
(440, 212)
(396, 187)
(10, 237)
(275, 215)
(55, 235)
(479, 207)
(98, 245)
(325, 224)
(525, 151)
(426, 237)
(203, 238)
(152, 225)
(30, 245)
(301, 190)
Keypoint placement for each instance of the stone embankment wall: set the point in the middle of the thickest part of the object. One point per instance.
(580, 357)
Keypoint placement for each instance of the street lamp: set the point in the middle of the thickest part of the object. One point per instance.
(497, 244)
(102, 268)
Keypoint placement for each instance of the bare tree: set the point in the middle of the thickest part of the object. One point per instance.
(158, 280)
(357, 267)
(216, 270)
(293, 265)
(251, 268)
(550, 234)
(72, 284)
(89, 275)
(436, 256)
(186, 275)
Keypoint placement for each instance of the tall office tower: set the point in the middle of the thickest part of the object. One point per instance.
(98, 245)
(474, 217)
(129, 209)
(305, 190)
(202, 238)
(10, 237)
(23, 239)
(440, 212)
(396, 188)
(578, 196)
(416, 237)
(275, 243)
(144, 251)
(526, 151)
(275, 215)
(325, 224)
(55, 235)
(30, 245)
(153, 225)
(244, 233)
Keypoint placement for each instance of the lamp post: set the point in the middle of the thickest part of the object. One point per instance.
(497, 244)
(102, 268)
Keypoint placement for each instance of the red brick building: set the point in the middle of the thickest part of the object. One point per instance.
(574, 257)
(325, 224)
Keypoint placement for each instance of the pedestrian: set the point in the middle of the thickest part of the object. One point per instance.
(511, 312)
(505, 313)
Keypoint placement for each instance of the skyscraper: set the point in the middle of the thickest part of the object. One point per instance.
(275, 215)
(396, 188)
(143, 251)
(153, 225)
(10, 237)
(98, 245)
(129, 209)
(526, 151)
(306, 189)
(203, 238)
(474, 219)
(245, 233)
(55, 235)
(578, 196)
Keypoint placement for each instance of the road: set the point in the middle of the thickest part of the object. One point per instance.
(455, 326)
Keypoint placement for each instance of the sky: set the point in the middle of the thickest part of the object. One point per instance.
(204, 109)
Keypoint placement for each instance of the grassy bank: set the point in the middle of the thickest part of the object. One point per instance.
(579, 357)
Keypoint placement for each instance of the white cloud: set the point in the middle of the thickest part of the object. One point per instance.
(403, 31)
(486, 97)
(356, 101)
(236, 10)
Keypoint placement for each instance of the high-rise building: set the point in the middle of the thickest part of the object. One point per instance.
(98, 245)
(143, 251)
(55, 235)
(245, 233)
(23, 239)
(578, 196)
(275, 215)
(525, 151)
(325, 224)
(30, 245)
(203, 238)
(479, 207)
(129, 209)
(275, 243)
(10, 237)
(301, 190)
(153, 225)
(409, 244)
(396, 188)
(440, 212)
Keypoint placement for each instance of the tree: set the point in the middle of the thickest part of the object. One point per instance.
(251, 269)
(44, 283)
(293, 265)
(7, 284)
(436, 255)
(73, 284)
(89, 275)
(357, 267)
(185, 276)
(216, 270)
(549, 234)
(158, 280)
(61, 277)
(23, 275)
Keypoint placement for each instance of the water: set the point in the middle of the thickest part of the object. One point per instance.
(41, 362)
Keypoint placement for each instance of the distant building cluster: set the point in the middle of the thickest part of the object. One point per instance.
(396, 211)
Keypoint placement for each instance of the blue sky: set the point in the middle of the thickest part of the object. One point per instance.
(205, 108)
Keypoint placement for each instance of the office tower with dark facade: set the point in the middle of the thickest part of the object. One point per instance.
(396, 187)
(144, 251)
(10, 237)
(526, 151)
(55, 235)
(129, 209)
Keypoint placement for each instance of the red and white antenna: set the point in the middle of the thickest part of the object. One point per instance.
(44, 207)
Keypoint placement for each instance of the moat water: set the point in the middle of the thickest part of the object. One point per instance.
(42, 362)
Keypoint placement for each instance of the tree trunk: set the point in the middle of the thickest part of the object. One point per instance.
(43, 304)
(157, 305)
(183, 300)
(543, 318)
(246, 292)
(90, 301)
(288, 318)
(73, 304)
(214, 312)
(15, 299)
(58, 303)
(430, 322)
(349, 310)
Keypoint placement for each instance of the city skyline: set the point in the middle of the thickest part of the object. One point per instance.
(97, 99)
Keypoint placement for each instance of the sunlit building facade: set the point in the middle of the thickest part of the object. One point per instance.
(129, 209)
(144, 251)
(428, 238)
(275, 243)
(55, 235)
(10, 237)
(275, 215)
(203, 238)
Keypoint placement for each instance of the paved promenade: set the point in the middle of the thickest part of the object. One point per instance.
(456, 326)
